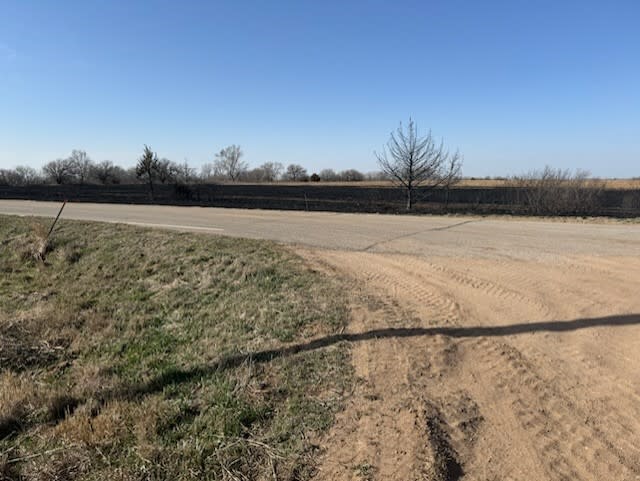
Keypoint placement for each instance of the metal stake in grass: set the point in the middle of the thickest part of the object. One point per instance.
(56, 220)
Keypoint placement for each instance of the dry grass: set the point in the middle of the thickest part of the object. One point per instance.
(128, 353)
(621, 184)
(37, 244)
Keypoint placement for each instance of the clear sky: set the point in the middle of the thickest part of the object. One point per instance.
(514, 84)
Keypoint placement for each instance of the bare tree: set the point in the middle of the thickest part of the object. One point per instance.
(207, 171)
(21, 175)
(453, 174)
(147, 167)
(122, 176)
(28, 175)
(413, 161)
(328, 175)
(104, 172)
(81, 165)
(267, 172)
(167, 171)
(8, 177)
(351, 175)
(185, 173)
(295, 172)
(271, 171)
(254, 175)
(228, 163)
(129, 176)
(59, 171)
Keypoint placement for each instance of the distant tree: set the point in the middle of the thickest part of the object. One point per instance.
(147, 168)
(7, 177)
(314, 177)
(104, 172)
(81, 165)
(413, 161)
(167, 171)
(130, 175)
(207, 172)
(21, 175)
(267, 172)
(351, 175)
(60, 171)
(453, 174)
(328, 175)
(122, 176)
(185, 174)
(377, 176)
(254, 175)
(296, 173)
(271, 171)
(228, 163)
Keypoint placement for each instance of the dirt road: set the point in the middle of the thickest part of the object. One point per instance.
(484, 369)
(487, 349)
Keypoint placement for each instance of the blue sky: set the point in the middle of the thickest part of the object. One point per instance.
(514, 84)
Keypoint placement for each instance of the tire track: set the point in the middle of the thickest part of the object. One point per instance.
(534, 414)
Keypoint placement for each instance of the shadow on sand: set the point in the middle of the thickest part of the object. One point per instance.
(11, 424)
(176, 376)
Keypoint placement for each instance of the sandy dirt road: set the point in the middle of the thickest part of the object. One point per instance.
(486, 349)
(491, 369)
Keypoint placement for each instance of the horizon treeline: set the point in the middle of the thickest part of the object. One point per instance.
(228, 166)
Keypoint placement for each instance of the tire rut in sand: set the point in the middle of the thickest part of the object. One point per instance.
(446, 462)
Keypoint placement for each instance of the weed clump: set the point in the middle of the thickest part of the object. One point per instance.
(35, 244)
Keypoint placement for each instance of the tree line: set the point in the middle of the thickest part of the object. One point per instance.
(228, 165)
(409, 160)
(416, 163)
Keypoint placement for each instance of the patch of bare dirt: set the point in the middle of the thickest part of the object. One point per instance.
(481, 369)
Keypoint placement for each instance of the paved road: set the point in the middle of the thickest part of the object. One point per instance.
(420, 235)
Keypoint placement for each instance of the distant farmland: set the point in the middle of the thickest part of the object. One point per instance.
(614, 184)
(618, 198)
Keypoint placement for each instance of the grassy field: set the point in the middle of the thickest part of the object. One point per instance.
(137, 354)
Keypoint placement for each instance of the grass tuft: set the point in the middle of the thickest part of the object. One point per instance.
(37, 243)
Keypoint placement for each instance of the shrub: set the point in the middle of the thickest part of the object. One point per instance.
(559, 192)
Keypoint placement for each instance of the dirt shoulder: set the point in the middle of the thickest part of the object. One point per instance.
(518, 369)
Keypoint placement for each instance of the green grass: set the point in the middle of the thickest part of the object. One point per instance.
(138, 354)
